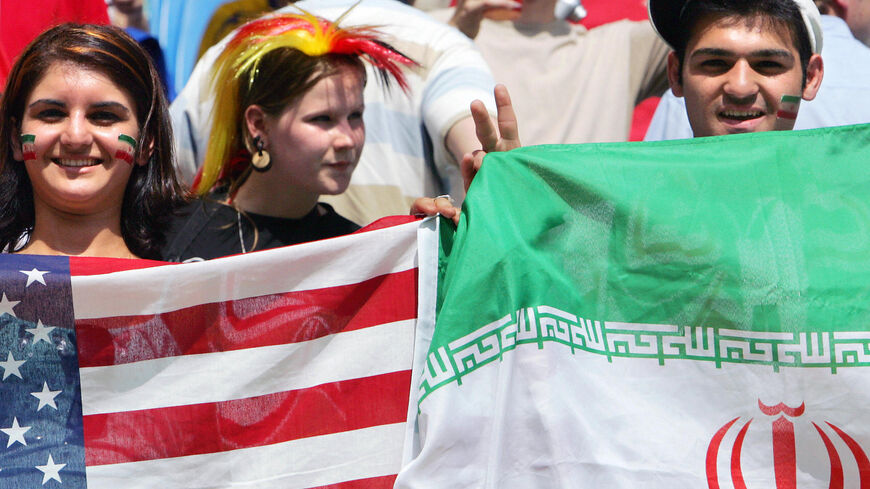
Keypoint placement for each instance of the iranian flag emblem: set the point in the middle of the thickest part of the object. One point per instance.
(28, 146)
(796, 446)
(787, 113)
(788, 107)
(126, 149)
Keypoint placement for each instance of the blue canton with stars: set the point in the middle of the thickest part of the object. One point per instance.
(41, 434)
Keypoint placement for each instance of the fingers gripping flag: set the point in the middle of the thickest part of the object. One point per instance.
(276, 369)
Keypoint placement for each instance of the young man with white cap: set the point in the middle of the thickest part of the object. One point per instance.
(742, 66)
(844, 97)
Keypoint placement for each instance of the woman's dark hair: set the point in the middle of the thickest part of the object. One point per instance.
(771, 13)
(153, 191)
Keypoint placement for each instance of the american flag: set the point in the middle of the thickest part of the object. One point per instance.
(282, 368)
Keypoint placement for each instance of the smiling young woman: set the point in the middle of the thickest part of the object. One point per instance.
(86, 158)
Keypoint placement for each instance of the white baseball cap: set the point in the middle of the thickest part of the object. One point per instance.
(665, 18)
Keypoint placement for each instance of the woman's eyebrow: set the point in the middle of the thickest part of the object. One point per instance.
(47, 101)
(111, 105)
(97, 105)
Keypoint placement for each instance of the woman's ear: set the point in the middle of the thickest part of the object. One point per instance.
(255, 122)
(17, 153)
(145, 155)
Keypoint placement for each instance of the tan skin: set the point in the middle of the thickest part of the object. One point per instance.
(735, 73)
(468, 14)
(76, 115)
(314, 143)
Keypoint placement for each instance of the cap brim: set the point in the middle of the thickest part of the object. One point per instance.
(665, 18)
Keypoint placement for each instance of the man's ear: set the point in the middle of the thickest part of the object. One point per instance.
(815, 72)
(255, 121)
(674, 67)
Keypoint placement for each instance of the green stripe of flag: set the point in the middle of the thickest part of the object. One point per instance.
(713, 249)
(127, 139)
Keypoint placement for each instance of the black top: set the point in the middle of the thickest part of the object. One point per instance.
(207, 229)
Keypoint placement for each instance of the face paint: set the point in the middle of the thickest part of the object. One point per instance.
(127, 149)
(787, 113)
(28, 146)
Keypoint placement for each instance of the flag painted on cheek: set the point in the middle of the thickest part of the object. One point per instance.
(282, 368)
(126, 149)
(787, 113)
(28, 147)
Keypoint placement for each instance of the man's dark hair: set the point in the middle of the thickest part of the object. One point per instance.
(771, 13)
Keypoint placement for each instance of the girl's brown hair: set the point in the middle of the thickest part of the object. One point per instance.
(153, 191)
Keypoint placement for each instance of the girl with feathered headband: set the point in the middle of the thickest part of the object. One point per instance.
(287, 127)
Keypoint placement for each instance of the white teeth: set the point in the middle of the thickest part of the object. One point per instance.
(76, 163)
(742, 114)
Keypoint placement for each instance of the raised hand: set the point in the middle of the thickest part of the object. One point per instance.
(469, 13)
(505, 137)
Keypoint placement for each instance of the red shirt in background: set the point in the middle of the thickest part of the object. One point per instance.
(21, 21)
(604, 11)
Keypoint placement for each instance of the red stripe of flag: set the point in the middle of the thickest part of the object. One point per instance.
(254, 322)
(783, 114)
(124, 156)
(89, 265)
(385, 482)
(263, 420)
(388, 221)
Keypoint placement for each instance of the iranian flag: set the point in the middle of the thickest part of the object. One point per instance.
(126, 149)
(682, 314)
(28, 147)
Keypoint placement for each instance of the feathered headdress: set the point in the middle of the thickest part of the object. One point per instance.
(239, 61)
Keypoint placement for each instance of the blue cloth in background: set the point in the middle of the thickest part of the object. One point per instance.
(152, 47)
